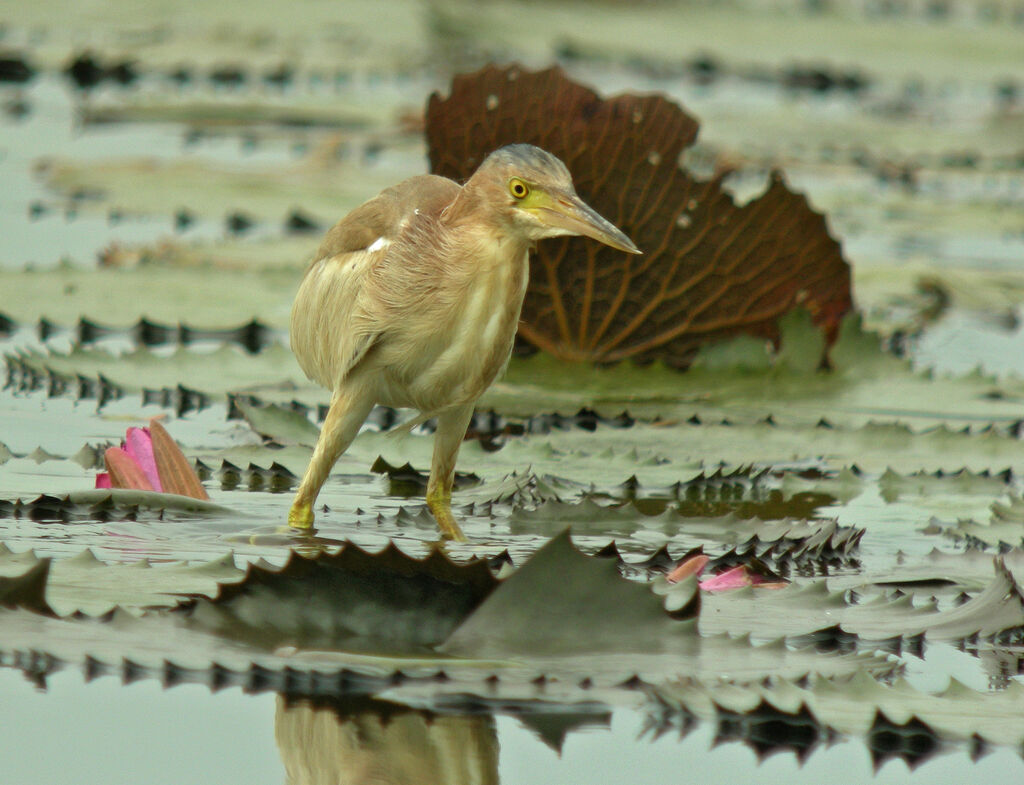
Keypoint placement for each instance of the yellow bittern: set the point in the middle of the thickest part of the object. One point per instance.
(413, 300)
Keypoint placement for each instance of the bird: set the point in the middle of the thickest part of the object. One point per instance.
(414, 298)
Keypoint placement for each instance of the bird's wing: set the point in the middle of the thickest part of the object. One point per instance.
(325, 335)
(333, 325)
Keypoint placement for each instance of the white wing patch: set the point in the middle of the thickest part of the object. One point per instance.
(378, 245)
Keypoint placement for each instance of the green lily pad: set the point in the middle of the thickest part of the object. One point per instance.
(802, 609)
(84, 584)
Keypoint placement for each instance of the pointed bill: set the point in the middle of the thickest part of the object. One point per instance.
(575, 216)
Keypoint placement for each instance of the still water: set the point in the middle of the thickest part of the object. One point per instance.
(101, 731)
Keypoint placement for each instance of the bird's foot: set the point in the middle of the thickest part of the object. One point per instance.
(441, 508)
(300, 516)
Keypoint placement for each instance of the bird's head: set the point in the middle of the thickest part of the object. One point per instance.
(532, 190)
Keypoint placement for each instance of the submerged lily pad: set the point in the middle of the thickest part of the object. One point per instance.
(352, 601)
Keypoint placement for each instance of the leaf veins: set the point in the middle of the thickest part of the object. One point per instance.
(710, 269)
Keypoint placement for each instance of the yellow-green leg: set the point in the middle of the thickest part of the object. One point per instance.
(340, 427)
(451, 429)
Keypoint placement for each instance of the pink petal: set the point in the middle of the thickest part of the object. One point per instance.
(139, 446)
(124, 471)
(763, 583)
(735, 578)
(693, 566)
(176, 473)
(103, 480)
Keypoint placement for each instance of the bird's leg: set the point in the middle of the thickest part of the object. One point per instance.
(451, 428)
(340, 427)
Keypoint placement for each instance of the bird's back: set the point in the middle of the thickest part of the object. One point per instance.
(383, 216)
(330, 333)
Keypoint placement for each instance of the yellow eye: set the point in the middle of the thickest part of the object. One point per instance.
(518, 188)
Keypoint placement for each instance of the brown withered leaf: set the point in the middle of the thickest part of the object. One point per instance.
(710, 269)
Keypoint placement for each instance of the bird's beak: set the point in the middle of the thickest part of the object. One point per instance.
(574, 216)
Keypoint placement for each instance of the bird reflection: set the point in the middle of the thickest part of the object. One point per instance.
(364, 741)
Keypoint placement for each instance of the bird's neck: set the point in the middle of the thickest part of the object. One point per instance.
(470, 219)
(471, 206)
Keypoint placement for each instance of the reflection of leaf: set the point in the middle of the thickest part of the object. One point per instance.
(912, 740)
(861, 705)
(768, 730)
(710, 269)
(553, 727)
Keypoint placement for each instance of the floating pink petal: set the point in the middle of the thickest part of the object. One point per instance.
(736, 578)
(693, 566)
(124, 471)
(150, 460)
(139, 446)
